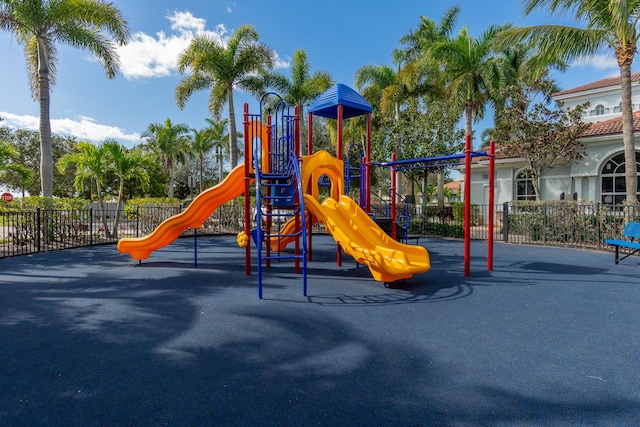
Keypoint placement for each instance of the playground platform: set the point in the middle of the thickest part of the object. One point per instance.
(90, 337)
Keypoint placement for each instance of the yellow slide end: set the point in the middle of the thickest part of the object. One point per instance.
(360, 237)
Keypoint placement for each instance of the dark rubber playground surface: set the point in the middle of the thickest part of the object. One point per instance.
(91, 338)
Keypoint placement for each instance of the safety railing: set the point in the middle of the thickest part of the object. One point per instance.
(42, 230)
(566, 223)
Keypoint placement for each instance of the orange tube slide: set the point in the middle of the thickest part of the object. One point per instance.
(192, 217)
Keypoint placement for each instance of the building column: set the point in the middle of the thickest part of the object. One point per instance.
(593, 193)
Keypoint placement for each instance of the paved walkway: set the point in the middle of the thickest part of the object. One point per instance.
(92, 338)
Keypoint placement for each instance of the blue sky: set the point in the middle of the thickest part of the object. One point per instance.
(339, 36)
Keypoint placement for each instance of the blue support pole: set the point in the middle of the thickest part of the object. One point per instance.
(195, 248)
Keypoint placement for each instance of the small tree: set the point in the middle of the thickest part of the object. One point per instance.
(126, 165)
(9, 162)
(544, 137)
(27, 145)
(91, 163)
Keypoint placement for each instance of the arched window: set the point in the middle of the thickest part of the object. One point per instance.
(617, 108)
(613, 189)
(598, 110)
(524, 186)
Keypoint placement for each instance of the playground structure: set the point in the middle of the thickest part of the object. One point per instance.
(287, 201)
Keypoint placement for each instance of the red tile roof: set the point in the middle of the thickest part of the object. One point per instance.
(612, 81)
(454, 186)
(611, 126)
(606, 127)
(603, 128)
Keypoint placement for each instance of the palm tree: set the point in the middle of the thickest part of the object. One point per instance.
(303, 86)
(419, 41)
(92, 163)
(200, 143)
(92, 25)
(610, 26)
(378, 84)
(420, 74)
(168, 140)
(221, 67)
(473, 71)
(219, 133)
(126, 165)
(527, 77)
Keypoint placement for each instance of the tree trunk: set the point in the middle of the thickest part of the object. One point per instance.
(220, 165)
(233, 132)
(105, 224)
(171, 177)
(201, 172)
(535, 181)
(425, 198)
(116, 222)
(440, 191)
(468, 118)
(631, 174)
(46, 153)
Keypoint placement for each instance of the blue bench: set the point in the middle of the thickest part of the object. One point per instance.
(632, 232)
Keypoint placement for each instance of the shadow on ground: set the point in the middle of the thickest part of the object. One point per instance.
(93, 338)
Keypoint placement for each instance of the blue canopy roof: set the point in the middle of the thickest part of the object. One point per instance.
(326, 104)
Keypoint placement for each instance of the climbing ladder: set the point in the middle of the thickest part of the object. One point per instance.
(279, 195)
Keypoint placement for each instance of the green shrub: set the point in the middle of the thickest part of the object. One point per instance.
(458, 213)
(445, 230)
(34, 202)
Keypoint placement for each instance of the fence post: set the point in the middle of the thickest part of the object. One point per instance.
(598, 225)
(91, 226)
(138, 221)
(38, 229)
(505, 222)
(544, 225)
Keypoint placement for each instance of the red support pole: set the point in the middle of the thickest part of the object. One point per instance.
(368, 166)
(393, 197)
(339, 134)
(248, 156)
(492, 154)
(309, 152)
(467, 206)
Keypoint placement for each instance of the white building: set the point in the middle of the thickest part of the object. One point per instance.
(599, 177)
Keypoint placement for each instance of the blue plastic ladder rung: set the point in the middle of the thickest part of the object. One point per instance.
(275, 175)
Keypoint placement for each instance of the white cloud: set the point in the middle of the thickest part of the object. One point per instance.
(281, 63)
(147, 56)
(600, 63)
(156, 56)
(186, 22)
(84, 128)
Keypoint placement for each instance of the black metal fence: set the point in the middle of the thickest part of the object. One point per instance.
(569, 224)
(565, 223)
(41, 230)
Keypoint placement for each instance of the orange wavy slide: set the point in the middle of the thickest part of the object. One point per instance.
(192, 217)
(360, 237)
